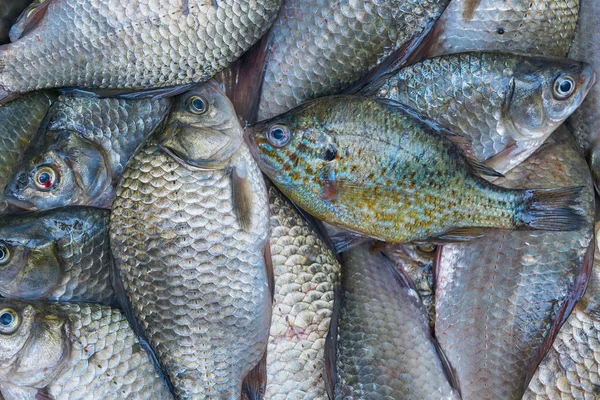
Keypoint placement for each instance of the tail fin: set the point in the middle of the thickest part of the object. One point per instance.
(552, 209)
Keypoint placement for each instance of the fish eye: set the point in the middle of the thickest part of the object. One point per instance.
(428, 248)
(279, 135)
(45, 178)
(4, 254)
(197, 105)
(564, 86)
(9, 321)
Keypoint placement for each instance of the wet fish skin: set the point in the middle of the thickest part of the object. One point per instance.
(74, 351)
(9, 12)
(317, 49)
(501, 299)
(58, 255)
(505, 104)
(20, 121)
(385, 348)
(584, 122)
(538, 27)
(571, 369)
(85, 143)
(134, 44)
(188, 244)
(306, 272)
(420, 186)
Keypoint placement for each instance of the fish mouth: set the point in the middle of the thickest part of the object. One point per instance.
(12, 197)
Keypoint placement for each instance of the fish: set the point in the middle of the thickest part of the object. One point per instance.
(535, 27)
(306, 277)
(505, 104)
(57, 255)
(319, 48)
(384, 344)
(80, 151)
(73, 351)
(9, 12)
(570, 369)
(500, 300)
(133, 45)
(189, 234)
(584, 122)
(421, 185)
(20, 121)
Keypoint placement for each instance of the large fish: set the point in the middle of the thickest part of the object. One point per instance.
(188, 232)
(318, 48)
(374, 167)
(73, 351)
(572, 366)
(505, 104)
(128, 44)
(60, 255)
(584, 122)
(19, 121)
(306, 273)
(501, 299)
(384, 344)
(538, 27)
(79, 153)
(9, 12)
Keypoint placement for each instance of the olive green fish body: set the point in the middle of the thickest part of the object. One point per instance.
(376, 169)
(500, 299)
(60, 255)
(131, 44)
(79, 154)
(538, 27)
(20, 120)
(505, 104)
(73, 351)
(320, 48)
(306, 272)
(385, 348)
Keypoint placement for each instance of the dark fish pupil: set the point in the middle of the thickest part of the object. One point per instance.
(44, 178)
(278, 134)
(565, 87)
(330, 153)
(198, 104)
(2, 253)
(6, 319)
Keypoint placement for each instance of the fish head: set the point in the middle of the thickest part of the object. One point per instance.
(542, 93)
(203, 129)
(70, 171)
(33, 341)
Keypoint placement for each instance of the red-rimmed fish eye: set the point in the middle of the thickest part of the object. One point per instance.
(564, 86)
(279, 135)
(9, 321)
(4, 254)
(45, 178)
(197, 105)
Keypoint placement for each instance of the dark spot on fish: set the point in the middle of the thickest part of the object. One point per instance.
(330, 153)
(500, 31)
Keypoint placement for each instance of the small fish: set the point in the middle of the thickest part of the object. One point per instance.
(374, 167)
(501, 299)
(306, 273)
(505, 104)
(73, 351)
(536, 27)
(571, 368)
(127, 46)
(189, 234)
(79, 153)
(19, 121)
(9, 12)
(384, 345)
(59, 255)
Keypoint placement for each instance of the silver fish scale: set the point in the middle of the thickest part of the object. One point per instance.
(133, 43)
(492, 321)
(196, 280)
(20, 120)
(105, 359)
(305, 272)
(385, 349)
(319, 49)
(465, 93)
(539, 27)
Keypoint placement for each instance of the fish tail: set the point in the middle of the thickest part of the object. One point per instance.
(551, 209)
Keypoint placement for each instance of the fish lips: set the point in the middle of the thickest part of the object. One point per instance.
(13, 189)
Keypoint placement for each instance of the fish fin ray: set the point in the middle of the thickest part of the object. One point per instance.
(460, 234)
(449, 371)
(551, 209)
(331, 340)
(29, 19)
(241, 196)
(269, 265)
(345, 240)
(255, 383)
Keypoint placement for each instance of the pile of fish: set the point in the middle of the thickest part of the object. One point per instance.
(299, 200)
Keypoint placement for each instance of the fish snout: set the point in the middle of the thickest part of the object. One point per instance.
(14, 189)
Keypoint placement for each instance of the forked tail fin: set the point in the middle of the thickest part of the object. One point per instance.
(551, 209)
